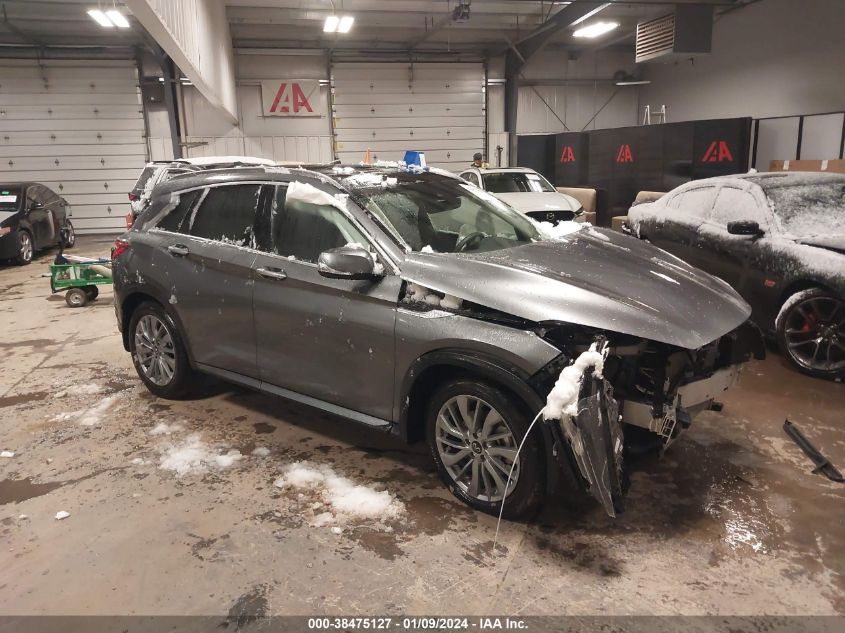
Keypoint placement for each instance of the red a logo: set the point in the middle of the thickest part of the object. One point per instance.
(624, 155)
(567, 155)
(718, 152)
(285, 98)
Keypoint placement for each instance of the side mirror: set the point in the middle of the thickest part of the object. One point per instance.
(745, 227)
(347, 262)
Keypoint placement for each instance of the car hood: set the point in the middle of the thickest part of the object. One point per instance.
(593, 277)
(539, 201)
(830, 242)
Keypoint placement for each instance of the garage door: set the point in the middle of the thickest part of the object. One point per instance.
(78, 128)
(393, 107)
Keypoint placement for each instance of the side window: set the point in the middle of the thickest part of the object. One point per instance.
(303, 230)
(471, 177)
(49, 197)
(226, 214)
(694, 203)
(174, 220)
(734, 204)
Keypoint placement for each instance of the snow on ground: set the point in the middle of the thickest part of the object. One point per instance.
(94, 415)
(261, 451)
(561, 229)
(343, 499)
(562, 400)
(7, 454)
(163, 428)
(194, 455)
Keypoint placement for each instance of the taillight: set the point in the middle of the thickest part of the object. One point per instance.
(118, 248)
(130, 220)
(133, 196)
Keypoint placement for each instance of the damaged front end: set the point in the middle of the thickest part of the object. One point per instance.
(645, 395)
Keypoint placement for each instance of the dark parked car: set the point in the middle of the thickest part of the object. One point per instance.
(32, 217)
(779, 240)
(414, 303)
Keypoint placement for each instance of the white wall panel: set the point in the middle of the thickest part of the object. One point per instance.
(822, 136)
(777, 140)
(78, 128)
(393, 107)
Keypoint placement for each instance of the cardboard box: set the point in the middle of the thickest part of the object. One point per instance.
(836, 166)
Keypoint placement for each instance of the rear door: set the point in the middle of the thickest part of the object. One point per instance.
(206, 252)
(331, 339)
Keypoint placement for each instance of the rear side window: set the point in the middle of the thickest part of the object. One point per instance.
(174, 220)
(695, 203)
(227, 214)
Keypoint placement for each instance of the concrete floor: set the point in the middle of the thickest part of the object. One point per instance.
(729, 521)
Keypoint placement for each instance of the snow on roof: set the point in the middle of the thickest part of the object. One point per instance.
(214, 160)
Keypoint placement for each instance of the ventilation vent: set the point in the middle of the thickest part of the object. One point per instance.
(656, 38)
(686, 32)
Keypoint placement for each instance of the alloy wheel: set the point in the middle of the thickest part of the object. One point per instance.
(815, 334)
(155, 350)
(477, 448)
(26, 247)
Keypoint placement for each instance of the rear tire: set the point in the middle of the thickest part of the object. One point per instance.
(76, 298)
(26, 248)
(473, 430)
(811, 332)
(158, 352)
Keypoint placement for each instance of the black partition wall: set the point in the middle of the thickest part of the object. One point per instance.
(620, 162)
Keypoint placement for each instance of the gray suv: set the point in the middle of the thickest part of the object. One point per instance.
(412, 302)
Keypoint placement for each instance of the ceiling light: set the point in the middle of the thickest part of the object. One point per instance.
(331, 23)
(596, 29)
(117, 18)
(345, 24)
(100, 18)
(638, 82)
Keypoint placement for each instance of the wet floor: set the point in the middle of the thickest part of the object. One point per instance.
(730, 520)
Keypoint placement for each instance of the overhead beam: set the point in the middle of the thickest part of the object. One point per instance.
(195, 35)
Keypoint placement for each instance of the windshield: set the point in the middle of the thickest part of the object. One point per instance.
(10, 198)
(516, 182)
(810, 210)
(432, 213)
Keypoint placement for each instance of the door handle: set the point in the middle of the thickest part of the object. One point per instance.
(272, 273)
(178, 250)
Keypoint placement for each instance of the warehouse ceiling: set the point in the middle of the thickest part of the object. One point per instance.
(403, 26)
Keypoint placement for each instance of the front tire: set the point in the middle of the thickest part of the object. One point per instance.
(811, 332)
(158, 352)
(474, 430)
(26, 248)
(68, 235)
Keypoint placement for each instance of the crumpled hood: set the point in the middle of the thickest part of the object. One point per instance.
(830, 242)
(593, 277)
(539, 201)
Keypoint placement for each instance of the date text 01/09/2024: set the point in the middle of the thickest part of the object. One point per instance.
(416, 623)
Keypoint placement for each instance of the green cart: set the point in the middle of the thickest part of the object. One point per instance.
(80, 280)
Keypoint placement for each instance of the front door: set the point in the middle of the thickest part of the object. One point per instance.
(331, 339)
(205, 248)
(40, 217)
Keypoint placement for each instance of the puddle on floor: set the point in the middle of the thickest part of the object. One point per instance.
(23, 398)
(17, 490)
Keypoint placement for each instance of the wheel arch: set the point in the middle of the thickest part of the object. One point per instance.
(131, 302)
(799, 285)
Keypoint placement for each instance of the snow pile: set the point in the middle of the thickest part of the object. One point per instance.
(194, 455)
(165, 429)
(562, 400)
(261, 451)
(420, 294)
(369, 179)
(8, 454)
(345, 500)
(309, 194)
(61, 514)
(94, 415)
(561, 229)
(426, 249)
